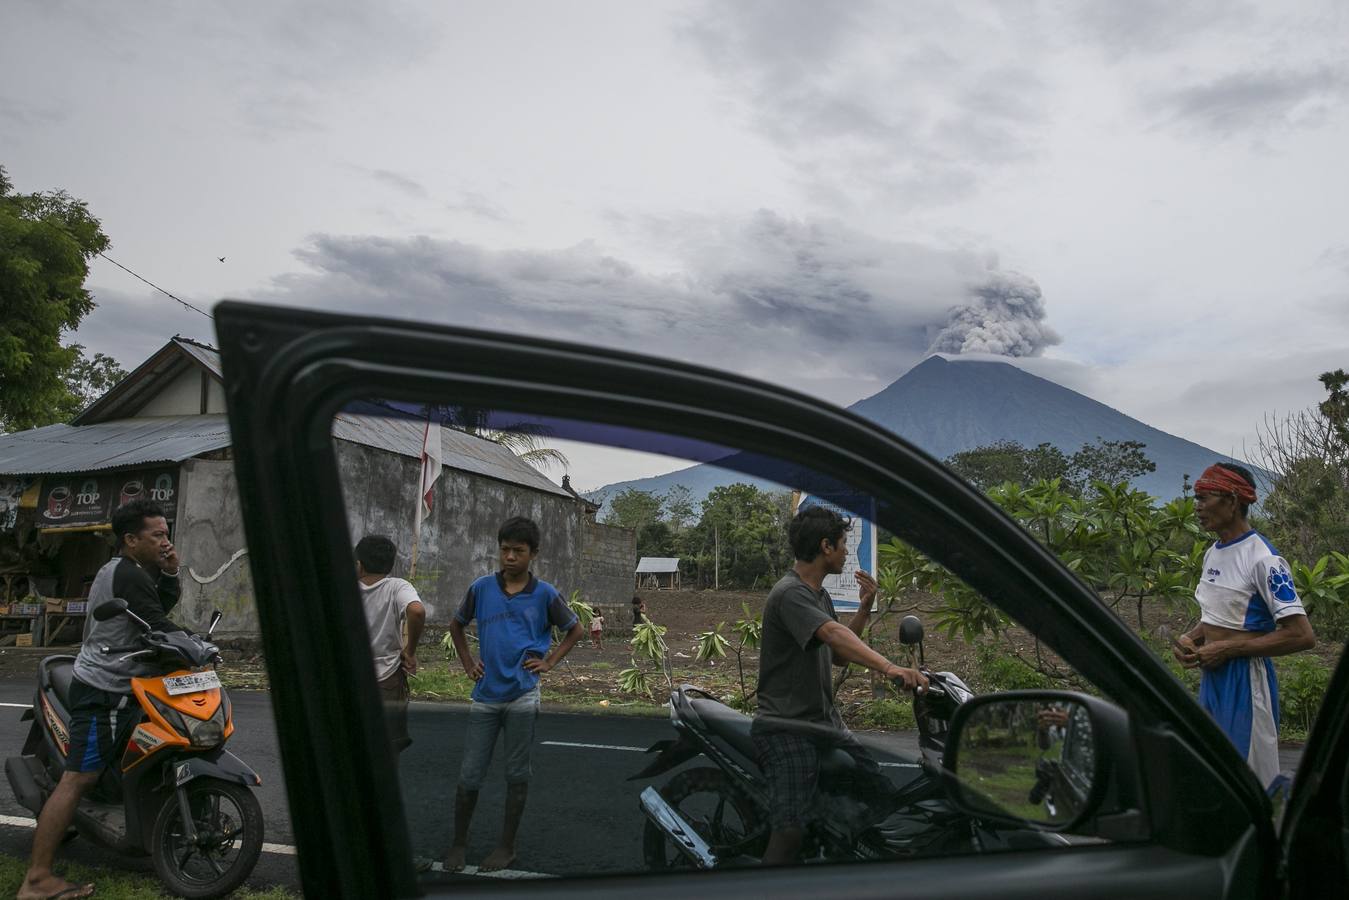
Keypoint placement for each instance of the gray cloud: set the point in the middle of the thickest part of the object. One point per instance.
(400, 182)
(913, 103)
(22, 114)
(1145, 27)
(478, 206)
(814, 304)
(471, 203)
(274, 68)
(1258, 101)
(1337, 257)
(131, 325)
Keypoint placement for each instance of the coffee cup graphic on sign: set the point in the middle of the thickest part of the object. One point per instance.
(131, 490)
(58, 502)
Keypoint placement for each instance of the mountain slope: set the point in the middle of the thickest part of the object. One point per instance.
(945, 407)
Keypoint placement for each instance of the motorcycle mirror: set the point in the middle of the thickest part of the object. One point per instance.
(109, 608)
(215, 620)
(911, 630)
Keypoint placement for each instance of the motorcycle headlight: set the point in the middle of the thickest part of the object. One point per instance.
(202, 734)
(171, 715)
(209, 733)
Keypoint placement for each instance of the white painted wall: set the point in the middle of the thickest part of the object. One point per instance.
(182, 397)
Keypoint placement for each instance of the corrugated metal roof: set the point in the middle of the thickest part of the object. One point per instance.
(206, 355)
(57, 449)
(458, 450)
(657, 565)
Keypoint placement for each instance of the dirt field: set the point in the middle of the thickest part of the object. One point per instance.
(590, 676)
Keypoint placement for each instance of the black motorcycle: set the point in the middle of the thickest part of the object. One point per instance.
(717, 815)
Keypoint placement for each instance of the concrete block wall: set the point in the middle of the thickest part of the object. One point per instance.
(459, 538)
(209, 535)
(608, 560)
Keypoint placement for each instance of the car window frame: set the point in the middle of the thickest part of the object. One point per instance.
(287, 372)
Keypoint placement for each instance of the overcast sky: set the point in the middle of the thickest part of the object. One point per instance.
(1145, 201)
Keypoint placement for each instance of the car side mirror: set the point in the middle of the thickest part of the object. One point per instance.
(1045, 759)
(109, 608)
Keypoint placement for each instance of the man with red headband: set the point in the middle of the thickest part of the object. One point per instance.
(1249, 611)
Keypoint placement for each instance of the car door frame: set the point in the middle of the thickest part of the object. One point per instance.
(288, 372)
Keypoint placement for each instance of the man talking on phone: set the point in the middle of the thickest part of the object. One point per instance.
(145, 575)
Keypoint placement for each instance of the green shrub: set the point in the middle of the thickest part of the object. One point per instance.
(1303, 680)
(1162, 647)
(884, 715)
(997, 671)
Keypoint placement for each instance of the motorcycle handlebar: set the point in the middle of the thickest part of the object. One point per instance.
(933, 686)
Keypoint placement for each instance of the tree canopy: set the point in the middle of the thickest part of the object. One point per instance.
(47, 240)
(1002, 462)
(1306, 511)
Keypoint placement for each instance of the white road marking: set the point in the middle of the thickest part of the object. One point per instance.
(286, 849)
(895, 765)
(25, 822)
(592, 746)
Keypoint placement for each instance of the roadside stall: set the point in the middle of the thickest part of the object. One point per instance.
(61, 537)
(22, 580)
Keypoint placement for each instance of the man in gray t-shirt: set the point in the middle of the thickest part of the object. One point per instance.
(802, 641)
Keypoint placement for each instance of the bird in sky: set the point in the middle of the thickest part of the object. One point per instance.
(221, 258)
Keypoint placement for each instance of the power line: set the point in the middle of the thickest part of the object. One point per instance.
(157, 287)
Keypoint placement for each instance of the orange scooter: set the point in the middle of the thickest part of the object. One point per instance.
(176, 794)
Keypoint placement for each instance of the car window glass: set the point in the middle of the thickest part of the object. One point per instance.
(661, 552)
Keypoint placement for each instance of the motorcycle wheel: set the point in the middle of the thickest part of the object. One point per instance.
(708, 801)
(228, 822)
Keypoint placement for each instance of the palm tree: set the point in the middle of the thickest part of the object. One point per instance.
(524, 439)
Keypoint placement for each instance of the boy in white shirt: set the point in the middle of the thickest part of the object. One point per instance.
(388, 602)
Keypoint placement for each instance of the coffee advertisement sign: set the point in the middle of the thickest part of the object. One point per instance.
(76, 501)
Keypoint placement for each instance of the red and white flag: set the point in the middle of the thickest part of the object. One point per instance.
(431, 456)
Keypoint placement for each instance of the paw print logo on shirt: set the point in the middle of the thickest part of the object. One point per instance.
(1281, 585)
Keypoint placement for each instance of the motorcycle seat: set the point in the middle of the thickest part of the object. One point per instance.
(57, 673)
(727, 724)
(734, 728)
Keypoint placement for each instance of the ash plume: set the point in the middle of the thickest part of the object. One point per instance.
(1006, 317)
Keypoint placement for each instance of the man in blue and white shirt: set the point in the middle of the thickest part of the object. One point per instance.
(1249, 612)
(516, 614)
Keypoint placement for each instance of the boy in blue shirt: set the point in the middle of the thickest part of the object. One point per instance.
(516, 614)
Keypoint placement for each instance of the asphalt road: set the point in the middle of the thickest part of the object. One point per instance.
(582, 814)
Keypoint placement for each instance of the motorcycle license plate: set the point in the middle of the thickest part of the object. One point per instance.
(190, 684)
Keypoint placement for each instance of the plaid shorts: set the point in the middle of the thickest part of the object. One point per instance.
(791, 765)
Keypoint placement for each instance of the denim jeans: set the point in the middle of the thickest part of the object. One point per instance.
(485, 720)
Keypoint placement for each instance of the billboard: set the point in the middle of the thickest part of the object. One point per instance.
(861, 540)
(85, 500)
